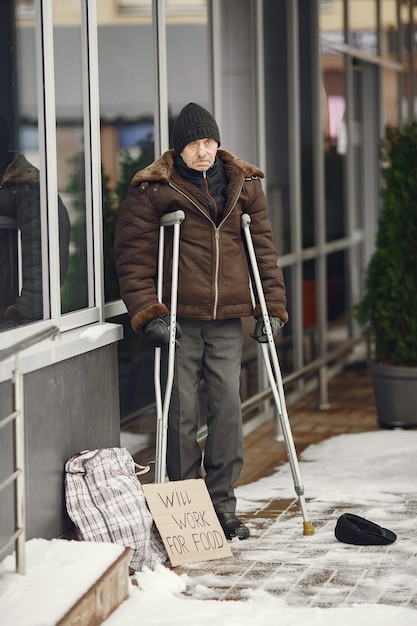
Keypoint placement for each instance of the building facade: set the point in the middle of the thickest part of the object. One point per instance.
(90, 90)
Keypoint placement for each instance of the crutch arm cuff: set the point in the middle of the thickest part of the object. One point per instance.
(141, 318)
(274, 311)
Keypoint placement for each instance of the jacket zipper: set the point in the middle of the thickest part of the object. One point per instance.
(217, 241)
(216, 272)
(216, 238)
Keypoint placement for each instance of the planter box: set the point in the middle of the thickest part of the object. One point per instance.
(395, 391)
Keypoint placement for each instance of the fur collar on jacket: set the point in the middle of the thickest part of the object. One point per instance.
(20, 171)
(162, 170)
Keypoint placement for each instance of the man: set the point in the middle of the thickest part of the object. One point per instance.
(213, 188)
(20, 218)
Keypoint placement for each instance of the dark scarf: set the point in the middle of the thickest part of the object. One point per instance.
(212, 186)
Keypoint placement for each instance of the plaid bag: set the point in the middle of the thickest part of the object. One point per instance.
(105, 500)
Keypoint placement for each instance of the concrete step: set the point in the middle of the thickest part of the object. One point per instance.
(65, 583)
(103, 597)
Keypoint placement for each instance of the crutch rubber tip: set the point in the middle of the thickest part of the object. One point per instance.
(308, 528)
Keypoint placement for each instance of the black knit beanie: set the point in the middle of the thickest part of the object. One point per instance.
(193, 122)
(5, 136)
(359, 531)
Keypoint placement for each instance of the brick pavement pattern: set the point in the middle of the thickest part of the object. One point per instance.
(311, 571)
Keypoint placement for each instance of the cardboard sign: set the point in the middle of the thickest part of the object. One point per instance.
(188, 524)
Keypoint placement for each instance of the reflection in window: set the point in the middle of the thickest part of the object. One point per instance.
(21, 296)
(389, 29)
(23, 245)
(188, 74)
(126, 82)
(335, 143)
(413, 107)
(337, 107)
(334, 116)
(331, 21)
(71, 151)
(408, 47)
(188, 7)
(309, 310)
(286, 338)
(390, 88)
(309, 295)
(25, 8)
(362, 20)
(24, 289)
(337, 288)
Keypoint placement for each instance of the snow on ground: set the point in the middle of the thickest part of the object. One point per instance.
(373, 473)
(58, 574)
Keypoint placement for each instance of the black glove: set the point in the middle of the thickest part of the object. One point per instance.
(157, 331)
(260, 331)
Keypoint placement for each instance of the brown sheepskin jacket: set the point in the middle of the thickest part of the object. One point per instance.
(213, 272)
(20, 212)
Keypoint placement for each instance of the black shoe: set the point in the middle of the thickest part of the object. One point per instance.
(232, 526)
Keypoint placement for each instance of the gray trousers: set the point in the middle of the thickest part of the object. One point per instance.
(209, 351)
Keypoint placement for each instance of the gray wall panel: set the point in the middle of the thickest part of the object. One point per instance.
(70, 406)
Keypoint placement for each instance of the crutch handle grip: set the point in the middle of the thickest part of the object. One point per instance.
(245, 220)
(170, 219)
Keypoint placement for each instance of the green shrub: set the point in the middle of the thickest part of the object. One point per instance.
(388, 310)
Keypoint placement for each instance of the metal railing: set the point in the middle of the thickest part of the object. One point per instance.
(18, 537)
(319, 365)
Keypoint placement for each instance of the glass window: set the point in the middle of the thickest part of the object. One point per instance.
(309, 295)
(309, 311)
(77, 288)
(286, 342)
(331, 22)
(25, 8)
(276, 123)
(333, 118)
(23, 242)
(127, 106)
(335, 143)
(390, 98)
(413, 36)
(126, 84)
(308, 209)
(190, 7)
(125, 48)
(362, 21)
(188, 57)
(408, 41)
(389, 29)
(337, 289)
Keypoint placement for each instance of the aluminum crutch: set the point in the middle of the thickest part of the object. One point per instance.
(275, 380)
(162, 406)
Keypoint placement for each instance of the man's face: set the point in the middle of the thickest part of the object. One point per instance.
(200, 154)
